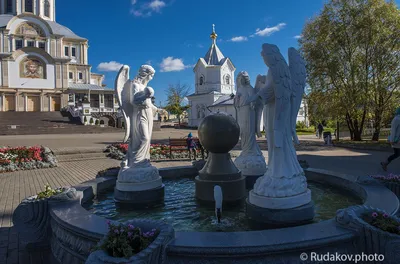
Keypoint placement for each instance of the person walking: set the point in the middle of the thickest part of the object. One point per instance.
(393, 139)
(191, 146)
(320, 130)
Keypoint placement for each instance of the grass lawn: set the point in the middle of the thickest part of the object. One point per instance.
(365, 142)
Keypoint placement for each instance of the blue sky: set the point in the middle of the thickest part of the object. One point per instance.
(172, 35)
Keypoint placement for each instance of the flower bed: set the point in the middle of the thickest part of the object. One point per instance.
(26, 158)
(157, 152)
(124, 241)
(392, 182)
(382, 221)
(128, 243)
(390, 178)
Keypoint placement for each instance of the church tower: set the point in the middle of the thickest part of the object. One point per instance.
(214, 84)
(45, 9)
(214, 72)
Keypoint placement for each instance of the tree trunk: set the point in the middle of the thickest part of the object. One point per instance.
(179, 121)
(377, 127)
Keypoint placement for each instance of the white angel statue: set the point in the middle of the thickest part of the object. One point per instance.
(134, 98)
(251, 161)
(281, 94)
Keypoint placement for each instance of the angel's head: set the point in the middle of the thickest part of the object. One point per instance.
(243, 78)
(145, 74)
(261, 79)
(268, 51)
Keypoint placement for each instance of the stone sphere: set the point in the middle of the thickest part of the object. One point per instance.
(219, 133)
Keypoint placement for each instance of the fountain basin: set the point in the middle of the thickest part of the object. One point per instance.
(185, 213)
(263, 246)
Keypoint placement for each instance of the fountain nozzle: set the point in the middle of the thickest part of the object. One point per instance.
(219, 214)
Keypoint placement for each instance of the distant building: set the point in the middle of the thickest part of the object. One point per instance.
(215, 87)
(44, 65)
(214, 79)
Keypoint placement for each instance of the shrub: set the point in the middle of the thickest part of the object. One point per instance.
(48, 192)
(85, 119)
(97, 122)
(91, 121)
(301, 125)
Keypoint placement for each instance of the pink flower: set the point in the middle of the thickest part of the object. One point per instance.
(374, 214)
(129, 234)
(131, 226)
(116, 231)
(108, 222)
(385, 215)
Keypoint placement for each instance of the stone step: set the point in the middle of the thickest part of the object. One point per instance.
(81, 156)
(78, 150)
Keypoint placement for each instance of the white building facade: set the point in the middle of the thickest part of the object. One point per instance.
(44, 65)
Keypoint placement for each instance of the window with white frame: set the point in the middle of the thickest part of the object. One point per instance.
(42, 45)
(29, 6)
(47, 8)
(19, 44)
(71, 75)
(80, 76)
(66, 51)
(73, 51)
(9, 6)
(30, 43)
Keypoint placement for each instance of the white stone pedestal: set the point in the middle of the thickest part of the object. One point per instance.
(139, 186)
(280, 202)
(252, 167)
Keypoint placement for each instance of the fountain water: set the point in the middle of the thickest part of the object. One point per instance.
(218, 202)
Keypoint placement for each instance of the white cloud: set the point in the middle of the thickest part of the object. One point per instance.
(146, 8)
(238, 39)
(156, 5)
(200, 46)
(170, 64)
(298, 36)
(268, 31)
(148, 62)
(109, 66)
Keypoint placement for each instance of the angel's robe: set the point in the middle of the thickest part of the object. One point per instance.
(247, 120)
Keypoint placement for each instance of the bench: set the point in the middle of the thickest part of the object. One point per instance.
(179, 144)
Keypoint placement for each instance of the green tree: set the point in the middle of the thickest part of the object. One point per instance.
(176, 95)
(346, 63)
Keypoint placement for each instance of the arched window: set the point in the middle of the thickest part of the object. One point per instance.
(227, 79)
(201, 80)
(47, 8)
(9, 6)
(29, 6)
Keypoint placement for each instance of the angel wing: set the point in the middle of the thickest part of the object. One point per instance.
(120, 83)
(259, 106)
(281, 82)
(297, 67)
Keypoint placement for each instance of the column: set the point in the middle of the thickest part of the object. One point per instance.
(2, 99)
(49, 46)
(11, 45)
(49, 103)
(26, 102)
(41, 102)
(16, 102)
